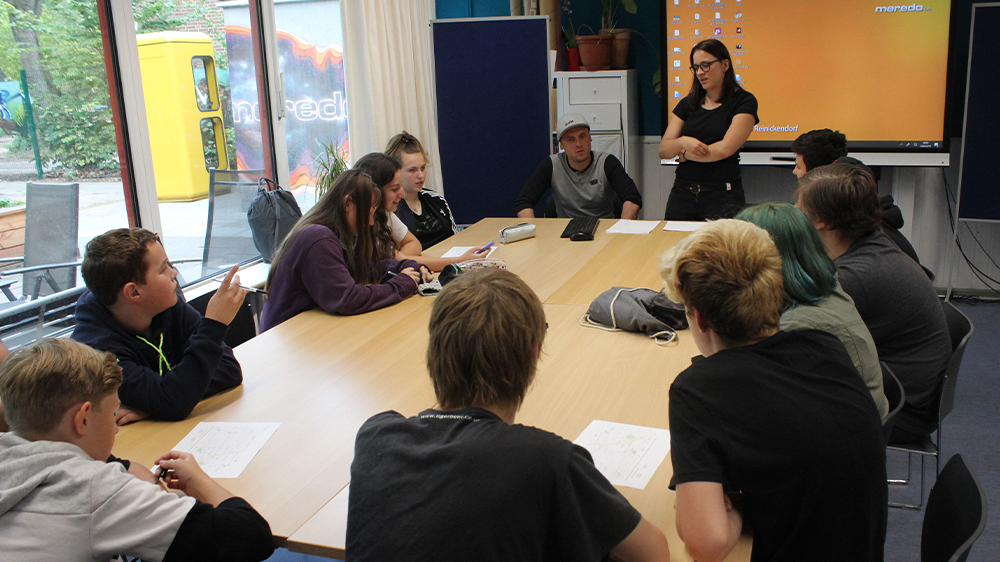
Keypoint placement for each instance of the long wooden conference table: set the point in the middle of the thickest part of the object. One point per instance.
(322, 376)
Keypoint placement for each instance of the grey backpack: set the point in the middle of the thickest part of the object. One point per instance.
(272, 214)
(636, 310)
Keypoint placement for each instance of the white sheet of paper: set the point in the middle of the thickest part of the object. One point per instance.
(684, 226)
(456, 251)
(224, 449)
(627, 455)
(625, 226)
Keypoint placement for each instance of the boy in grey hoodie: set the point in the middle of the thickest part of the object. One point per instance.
(59, 500)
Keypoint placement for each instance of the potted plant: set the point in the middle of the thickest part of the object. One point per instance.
(622, 37)
(330, 163)
(569, 34)
(595, 50)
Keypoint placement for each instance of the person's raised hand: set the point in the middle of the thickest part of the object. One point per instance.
(227, 300)
(124, 415)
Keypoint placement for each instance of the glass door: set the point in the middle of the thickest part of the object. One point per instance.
(311, 62)
(208, 128)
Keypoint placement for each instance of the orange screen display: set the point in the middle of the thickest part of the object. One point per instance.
(873, 70)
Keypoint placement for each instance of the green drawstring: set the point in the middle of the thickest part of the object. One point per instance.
(159, 350)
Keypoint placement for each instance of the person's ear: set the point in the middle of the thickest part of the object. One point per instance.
(130, 292)
(80, 416)
(725, 65)
(700, 321)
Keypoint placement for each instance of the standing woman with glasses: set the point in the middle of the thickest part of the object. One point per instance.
(705, 133)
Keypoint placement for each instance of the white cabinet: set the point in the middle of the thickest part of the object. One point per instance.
(609, 101)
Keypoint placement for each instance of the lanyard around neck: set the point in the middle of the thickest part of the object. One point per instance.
(159, 351)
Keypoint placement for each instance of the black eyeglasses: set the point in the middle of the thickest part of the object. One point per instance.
(705, 66)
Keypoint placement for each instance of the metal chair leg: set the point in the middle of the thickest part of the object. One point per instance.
(920, 503)
(903, 481)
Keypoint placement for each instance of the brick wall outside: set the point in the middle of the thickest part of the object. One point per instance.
(211, 22)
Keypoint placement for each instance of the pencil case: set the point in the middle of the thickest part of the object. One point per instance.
(517, 232)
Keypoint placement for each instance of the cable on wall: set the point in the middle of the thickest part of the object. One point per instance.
(980, 274)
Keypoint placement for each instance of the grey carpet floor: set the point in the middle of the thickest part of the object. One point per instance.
(972, 430)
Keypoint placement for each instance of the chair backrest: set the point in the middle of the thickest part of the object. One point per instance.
(228, 239)
(51, 230)
(960, 329)
(896, 396)
(955, 515)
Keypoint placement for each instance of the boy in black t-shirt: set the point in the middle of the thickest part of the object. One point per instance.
(463, 482)
(772, 429)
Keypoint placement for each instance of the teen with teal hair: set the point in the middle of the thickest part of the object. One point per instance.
(814, 299)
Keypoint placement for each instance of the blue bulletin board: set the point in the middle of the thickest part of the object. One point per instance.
(494, 95)
(979, 178)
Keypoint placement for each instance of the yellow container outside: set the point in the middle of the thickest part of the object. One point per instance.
(182, 99)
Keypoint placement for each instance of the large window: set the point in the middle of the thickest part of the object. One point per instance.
(60, 173)
(193, 162)
(206, 168)
(201, 85)
(311, 65)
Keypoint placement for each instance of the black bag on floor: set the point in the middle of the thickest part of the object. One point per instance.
(272, 214)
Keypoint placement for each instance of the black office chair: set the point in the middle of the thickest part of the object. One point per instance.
(960, 328)
(896, 396)
(228, 239)
(955, 516)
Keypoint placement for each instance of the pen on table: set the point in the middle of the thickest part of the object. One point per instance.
(248, 289)
(486, 247)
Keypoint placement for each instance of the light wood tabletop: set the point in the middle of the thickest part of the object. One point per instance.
(584, 374)
(322, 376)
(627, 260)
(545, 262)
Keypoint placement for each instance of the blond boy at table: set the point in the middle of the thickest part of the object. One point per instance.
(775, 429)
(59, 500)
(464, 482)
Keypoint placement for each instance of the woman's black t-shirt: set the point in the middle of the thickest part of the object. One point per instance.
(710, 126)
(435, 224)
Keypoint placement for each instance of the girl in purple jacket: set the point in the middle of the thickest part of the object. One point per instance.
(329, 259)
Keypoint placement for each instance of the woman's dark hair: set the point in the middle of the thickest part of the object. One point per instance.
(363, 262)
(718, 50)
(382, 168)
